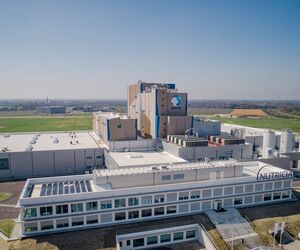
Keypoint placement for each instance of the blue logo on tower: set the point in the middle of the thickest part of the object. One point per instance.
(176, 101)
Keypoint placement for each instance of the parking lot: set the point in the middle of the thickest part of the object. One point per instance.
(8, 209)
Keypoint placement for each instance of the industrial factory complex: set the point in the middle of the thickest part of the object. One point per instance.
(154, 162)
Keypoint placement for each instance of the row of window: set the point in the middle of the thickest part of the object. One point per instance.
(158, 239)
(154, 199)
(156, 211)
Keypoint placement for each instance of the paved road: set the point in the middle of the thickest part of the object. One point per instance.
(8, 208)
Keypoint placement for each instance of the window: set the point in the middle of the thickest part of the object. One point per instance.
(77, 222)
(30, 227)
(92, 205)
(159, 211)
(133, 201)
(120, 216)
(285, 194)
(166, 178)
(159, 198)
(62, 209)
(178, 176)
(133, 214)
(46, 225)
(165, 238)
(75, 208)
(119, 125)
(146, 200)
(171, 210)
(105, 204)
(276, 196)
(93, 219)
(190, 234)
(98, 157)
(138, 242)
(61, 223)
(152, 240)
(120, 202)
(89, 157)
(238, 201)
(195, 194)
(128, 243)
(4, 164)
(146, 212)
(207, 193)
(30, 212)
(267, 197)
(46, 211)
(183, 196)
(178, 236)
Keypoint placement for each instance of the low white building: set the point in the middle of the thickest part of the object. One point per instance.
(27, 155)
(125, 195)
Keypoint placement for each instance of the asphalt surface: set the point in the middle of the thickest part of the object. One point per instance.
(8, 209)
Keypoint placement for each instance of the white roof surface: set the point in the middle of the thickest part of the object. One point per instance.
(49, 141)
(169, 168)
(131, 159)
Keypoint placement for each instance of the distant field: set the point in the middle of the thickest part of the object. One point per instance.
(270, 122)
(208, 111)
(50, 123)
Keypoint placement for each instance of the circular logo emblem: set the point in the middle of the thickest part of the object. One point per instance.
(176, 100)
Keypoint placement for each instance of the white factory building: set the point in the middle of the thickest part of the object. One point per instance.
(49, 154)
(126, 195)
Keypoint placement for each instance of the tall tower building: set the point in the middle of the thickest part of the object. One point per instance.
(159, 108)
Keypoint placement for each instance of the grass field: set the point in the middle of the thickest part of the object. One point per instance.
(39, 124)
(7, 226)
(4, 196)
(270, 122)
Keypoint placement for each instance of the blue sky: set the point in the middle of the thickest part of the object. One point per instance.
(94, 49)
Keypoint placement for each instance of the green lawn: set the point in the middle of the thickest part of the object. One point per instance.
(271, 123)
(4, 196)
(7, 226)
(38, 124)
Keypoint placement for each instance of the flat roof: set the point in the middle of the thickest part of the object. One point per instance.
(48, 141)
(166, 168)
(141, 158)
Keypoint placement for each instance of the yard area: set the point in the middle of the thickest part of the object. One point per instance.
(263, 218)
(47, 123)
(6, 227)
(104, 238)
(4, 196)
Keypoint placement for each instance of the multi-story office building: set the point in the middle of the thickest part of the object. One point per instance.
(115, 196)
(159, 108)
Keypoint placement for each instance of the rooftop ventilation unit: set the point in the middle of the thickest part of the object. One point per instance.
(55, 140)
(154, 168)
(164, 167)
(4, 149)
(6, 135)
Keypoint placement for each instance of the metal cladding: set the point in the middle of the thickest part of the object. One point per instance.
(286, 141)
(269, 142)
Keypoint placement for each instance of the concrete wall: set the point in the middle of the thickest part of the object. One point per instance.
(51, 163)
(238, 151)
(205, 128)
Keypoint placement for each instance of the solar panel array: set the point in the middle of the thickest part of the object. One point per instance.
(68, 187)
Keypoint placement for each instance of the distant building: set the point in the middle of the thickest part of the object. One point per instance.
(159, 108)
(51, 110)
(114, 127)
